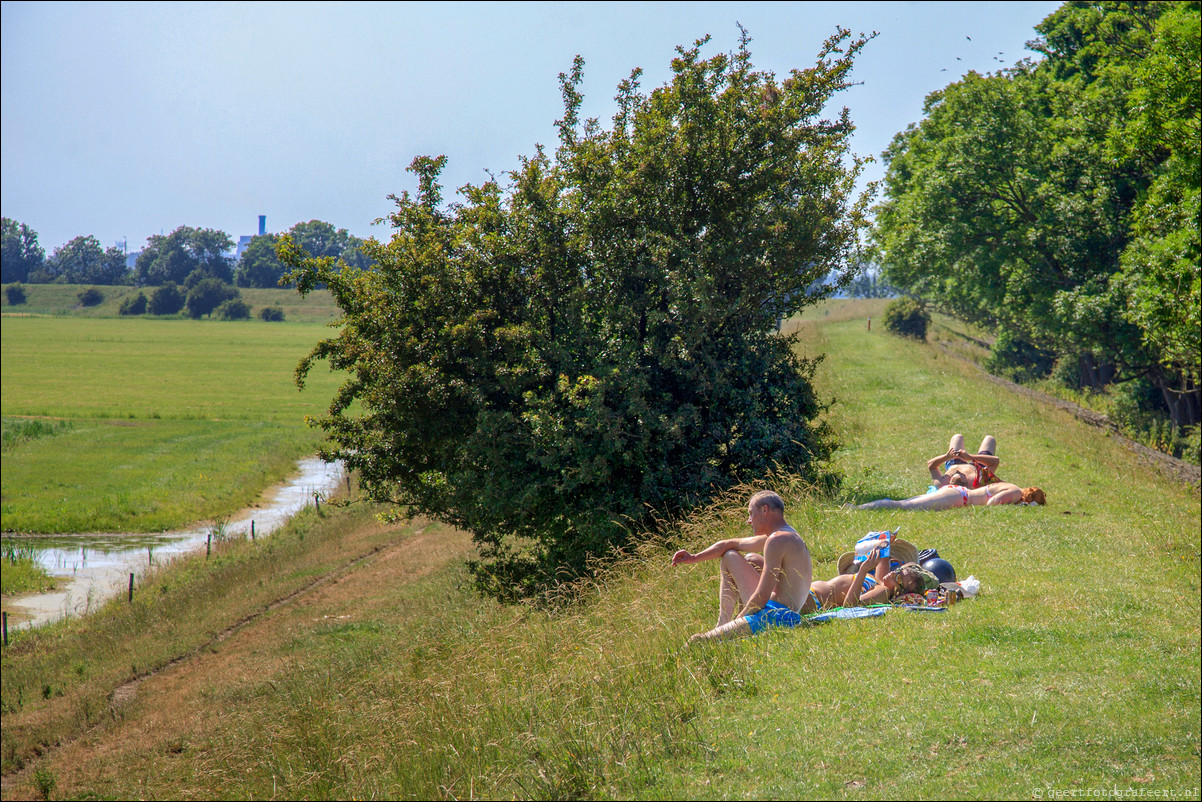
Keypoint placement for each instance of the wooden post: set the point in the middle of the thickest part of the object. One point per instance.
(209, 546)
(6, 628)
(131, 586)
(252, 529)
(870, 324)
(348, 483)
(317, 502)
(149, 557)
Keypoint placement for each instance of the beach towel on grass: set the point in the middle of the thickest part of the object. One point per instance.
(847, 613)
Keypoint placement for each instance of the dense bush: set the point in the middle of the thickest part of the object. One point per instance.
(233, 309)
(133, 305)
(166, 300)
(557, 365)
(90, 297)
(907, 317)
(207, 295)
(272, 314)
(15, 293)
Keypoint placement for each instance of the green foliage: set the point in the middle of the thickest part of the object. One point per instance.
(173, 257)
(233, 309)
(1058, 200)
(556, 365)
(15, 294)
(90, 297)
(134, 304)
(21, 430)
(320, 239)
(907, 317)
(82, 261)
(166, 300)
(20, 254)
(259, 266)
(868, 283)
(272, 314)
(207, 295)
(1018, 360)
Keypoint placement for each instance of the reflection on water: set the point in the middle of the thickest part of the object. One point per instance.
(91, 568)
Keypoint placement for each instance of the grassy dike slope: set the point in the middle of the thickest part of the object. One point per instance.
(353, 661)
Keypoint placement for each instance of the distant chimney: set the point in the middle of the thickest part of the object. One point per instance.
(262, 224)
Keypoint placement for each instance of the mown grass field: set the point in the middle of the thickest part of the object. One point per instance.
(157, 422)
(1076, 669)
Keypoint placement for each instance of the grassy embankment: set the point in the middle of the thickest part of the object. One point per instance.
(157, 423)
(1077, 667)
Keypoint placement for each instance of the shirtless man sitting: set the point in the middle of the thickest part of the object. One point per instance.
(751, 598)
(962, 469)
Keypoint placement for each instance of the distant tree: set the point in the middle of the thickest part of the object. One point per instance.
(207, 295)
(166, 300)
(133, 305)
(320, 239)
(21, 255)
(172, 258)
(259, 265)
(82, 261)
(272, 314)
(15, 293)
(869, 284)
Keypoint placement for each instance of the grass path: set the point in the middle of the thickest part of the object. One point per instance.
(1077, 667)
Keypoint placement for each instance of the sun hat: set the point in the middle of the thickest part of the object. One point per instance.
(900, 552)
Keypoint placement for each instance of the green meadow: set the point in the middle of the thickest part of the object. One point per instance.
(346, 658)
(150, 424)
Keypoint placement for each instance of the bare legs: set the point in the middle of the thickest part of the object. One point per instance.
(988, 444)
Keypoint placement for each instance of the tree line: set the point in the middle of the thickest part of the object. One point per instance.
(184, 257)
(1056, 204)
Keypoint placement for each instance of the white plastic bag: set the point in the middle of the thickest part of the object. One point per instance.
(971, 586)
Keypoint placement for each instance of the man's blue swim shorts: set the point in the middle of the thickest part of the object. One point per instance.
(774, 614)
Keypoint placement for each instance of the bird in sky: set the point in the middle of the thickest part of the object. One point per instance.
(969, 38)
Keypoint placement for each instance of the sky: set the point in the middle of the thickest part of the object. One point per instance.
(124, 120)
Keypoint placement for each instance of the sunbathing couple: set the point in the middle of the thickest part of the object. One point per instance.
(962, 479)
(777, 588)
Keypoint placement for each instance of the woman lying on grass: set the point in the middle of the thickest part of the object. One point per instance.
(850, 590)
(945, 498)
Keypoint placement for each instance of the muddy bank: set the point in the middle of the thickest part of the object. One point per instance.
(91, 568)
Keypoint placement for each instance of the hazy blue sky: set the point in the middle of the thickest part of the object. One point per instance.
(123, 120)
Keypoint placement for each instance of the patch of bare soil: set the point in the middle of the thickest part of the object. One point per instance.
(162, 715)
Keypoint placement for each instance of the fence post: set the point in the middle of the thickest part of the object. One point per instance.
(5, 627)
(252, 529)
(131, 586)
(209, 546)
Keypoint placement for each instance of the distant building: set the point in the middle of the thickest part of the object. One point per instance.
(244, 240)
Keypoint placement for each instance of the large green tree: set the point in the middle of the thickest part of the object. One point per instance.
(258, 266)
(21, 255)
(1019, 200)
(320, 239)
(83, 261)
(554, 364)
(175, 256)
